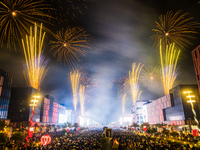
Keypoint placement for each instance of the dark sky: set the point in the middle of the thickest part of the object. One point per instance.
(120, 32)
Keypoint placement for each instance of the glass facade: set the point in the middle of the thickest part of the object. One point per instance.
(6, 80)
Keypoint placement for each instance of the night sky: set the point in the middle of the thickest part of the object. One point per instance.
(120, 32)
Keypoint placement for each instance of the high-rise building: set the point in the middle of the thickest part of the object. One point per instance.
(196, 62)
(174, 108)
(5, 90)
(19, 109)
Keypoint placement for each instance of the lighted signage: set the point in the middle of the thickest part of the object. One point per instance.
(45, 140)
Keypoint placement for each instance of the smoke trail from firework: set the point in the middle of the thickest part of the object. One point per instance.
(169, 73)
(35, 68)
(75, 78)
(82, 98)
(124, 99)
(133, 81)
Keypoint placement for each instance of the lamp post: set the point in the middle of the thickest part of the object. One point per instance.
(33, 104)
(191, 102)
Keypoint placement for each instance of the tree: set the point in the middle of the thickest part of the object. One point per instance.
(3, 138)
(2, 124)
(145, 124)
(174, 134)
(17, 136)
(134, 125)
(165, 132)
(64, 131)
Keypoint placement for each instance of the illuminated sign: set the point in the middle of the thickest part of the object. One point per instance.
(45, 139)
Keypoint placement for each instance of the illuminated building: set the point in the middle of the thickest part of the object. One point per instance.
(196, 62)
(19, 109)
(5, 90)
(47, 109)
(173, 108)
(138, 112)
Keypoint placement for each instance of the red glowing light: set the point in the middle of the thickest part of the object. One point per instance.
(45, 139)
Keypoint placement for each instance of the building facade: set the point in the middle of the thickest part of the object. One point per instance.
(138, 112)
(19, 109)
(196, 62)
(173, 108)
(6, 80)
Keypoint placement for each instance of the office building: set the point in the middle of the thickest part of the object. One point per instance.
(19, 109)
(6, 80)
(173, 108)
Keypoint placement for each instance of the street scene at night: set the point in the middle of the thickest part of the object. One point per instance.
(99, 75)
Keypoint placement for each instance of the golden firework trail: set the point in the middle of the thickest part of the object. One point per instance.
(75, 79)
(16, 16)
(67, 9)
(69, 44)
(82, 98)
(175, 28)
(124, 99)
(169, 72)
(133, 81)
(150, 76)
(35, 67)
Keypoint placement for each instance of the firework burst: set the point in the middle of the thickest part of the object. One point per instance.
(169, 72)
(16, 16)
(124, 99)
(133, 81)
(150, 76)
(67, 9)
(35, 67)
(82, 98)
(75, 78)
(69, 45)
(175, 28)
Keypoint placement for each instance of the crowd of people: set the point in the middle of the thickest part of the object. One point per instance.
(95, 140)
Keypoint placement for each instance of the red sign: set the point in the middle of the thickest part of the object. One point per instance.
(195, 132)
(30, 134)
(45, 139)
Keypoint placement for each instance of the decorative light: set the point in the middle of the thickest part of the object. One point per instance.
(13, 13)
(45, 139)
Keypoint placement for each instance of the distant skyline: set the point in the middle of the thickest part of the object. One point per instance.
(120, 34)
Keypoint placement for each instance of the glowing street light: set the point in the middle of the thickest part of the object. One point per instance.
(191, 102)
(33, 104)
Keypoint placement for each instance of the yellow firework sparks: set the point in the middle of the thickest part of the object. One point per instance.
(133, 81)
(82, 98)
(124, 99)
(16, 16)
(70, 44)
(35, 68)
(150, 76)
(75, 78)
(67, 9)
(169, 72)
(175, 28)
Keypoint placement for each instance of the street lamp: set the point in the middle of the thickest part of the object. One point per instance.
(33, 104)
(191, 102)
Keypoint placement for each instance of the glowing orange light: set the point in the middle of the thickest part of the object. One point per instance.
(167, 34)
(13, 13)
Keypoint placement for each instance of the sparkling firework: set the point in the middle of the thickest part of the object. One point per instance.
(69, 44)
(169, 73)
(133, 81)
(67, 8)
(124, 99)
(175, 28)
(150, 76)
(16, 16)
(82, 98)
(35, 67)
(75, 78)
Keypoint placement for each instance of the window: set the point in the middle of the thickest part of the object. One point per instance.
(139, 108)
